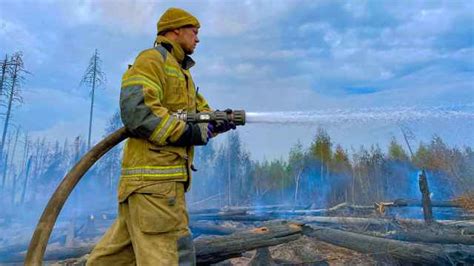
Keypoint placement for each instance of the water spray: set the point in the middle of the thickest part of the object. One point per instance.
(359, 116)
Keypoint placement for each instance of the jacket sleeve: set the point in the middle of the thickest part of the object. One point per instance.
(202, 105)
(141, 99)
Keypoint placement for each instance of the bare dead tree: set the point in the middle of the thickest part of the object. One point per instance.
(25, 182)
(407, 136)
(12, 157)
(25, 151)
(422, 181)
(5, 64)
(25, 166)
(13, 168)
(17, 72)
(4, 163)
(93, 78)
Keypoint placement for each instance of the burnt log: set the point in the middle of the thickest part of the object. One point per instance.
(219, 248)
(434, 254)
(204, 211)
(406, 230)
(418, 203)
(244, 209)
(273, 212)
(267, 208)
(355, 221)
(340, 209)
(433, 237)
(464, 227)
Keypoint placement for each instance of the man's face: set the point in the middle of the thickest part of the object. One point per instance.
(188, 39)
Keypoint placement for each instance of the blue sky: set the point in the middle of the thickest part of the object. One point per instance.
(258, 56)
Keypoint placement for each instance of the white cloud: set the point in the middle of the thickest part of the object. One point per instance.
(358, 8)
(127, 17)
(221, 19)
(16, 37)
(70, 129)
(286, 54)
(227, 19)
(57, 114)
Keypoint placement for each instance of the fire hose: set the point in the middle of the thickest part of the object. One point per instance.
(39, 241)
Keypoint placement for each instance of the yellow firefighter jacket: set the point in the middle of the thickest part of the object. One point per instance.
(157, 85)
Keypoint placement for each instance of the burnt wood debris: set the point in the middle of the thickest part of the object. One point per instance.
(221, 234)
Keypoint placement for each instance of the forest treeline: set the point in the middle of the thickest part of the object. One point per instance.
(325, 173)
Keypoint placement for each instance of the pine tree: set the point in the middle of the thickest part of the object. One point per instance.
(396, 152)
(93, 78)
(321, 150)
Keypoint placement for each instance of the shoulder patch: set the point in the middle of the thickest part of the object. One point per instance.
(162, 51)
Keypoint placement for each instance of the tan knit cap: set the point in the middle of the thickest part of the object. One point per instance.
(175, 18)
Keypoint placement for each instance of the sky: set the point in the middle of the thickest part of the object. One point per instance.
(261, 56)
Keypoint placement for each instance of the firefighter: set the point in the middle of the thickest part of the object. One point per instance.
(152, 223)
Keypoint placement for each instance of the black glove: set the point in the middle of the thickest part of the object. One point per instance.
(195, 134)
(223, 126)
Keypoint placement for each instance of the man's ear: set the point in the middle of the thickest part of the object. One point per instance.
(177, 31)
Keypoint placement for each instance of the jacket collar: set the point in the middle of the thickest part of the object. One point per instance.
(175, 49)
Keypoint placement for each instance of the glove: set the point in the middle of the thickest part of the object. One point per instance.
(223, 126)
(195, 134)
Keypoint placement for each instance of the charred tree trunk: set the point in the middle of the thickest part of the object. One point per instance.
(417, 203)
(425, 198)
(434, 237)
(215, 249)
(433, 254)
(94, 79)
(4, 72)
(25, 184)
(11, 95)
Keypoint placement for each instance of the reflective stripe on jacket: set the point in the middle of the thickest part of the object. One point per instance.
(157, 85)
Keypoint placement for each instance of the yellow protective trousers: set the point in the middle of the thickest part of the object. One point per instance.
(151, 229)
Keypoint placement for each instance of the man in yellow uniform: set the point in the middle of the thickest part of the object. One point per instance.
(152, 223)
